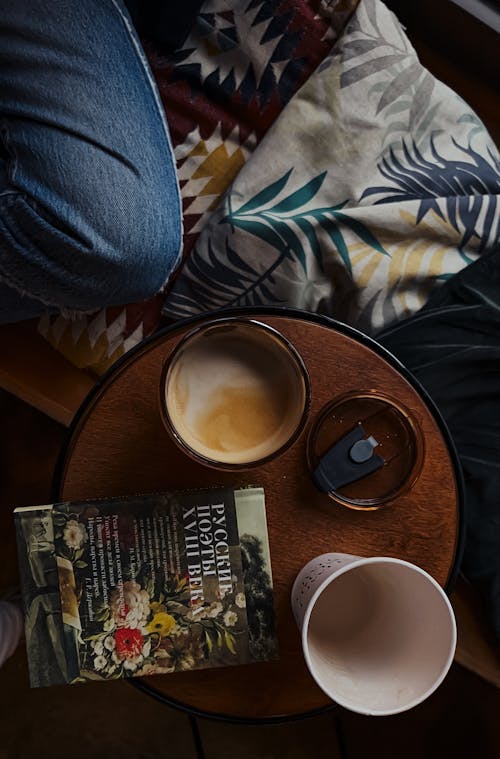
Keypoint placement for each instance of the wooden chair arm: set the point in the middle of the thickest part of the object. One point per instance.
(35, 372)
(477, 648)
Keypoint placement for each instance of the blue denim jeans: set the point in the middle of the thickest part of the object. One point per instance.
(90, 210)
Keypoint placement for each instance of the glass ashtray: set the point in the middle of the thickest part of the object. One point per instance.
(365, 449)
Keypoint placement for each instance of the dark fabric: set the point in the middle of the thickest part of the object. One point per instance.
(165, 22)
(452, 346)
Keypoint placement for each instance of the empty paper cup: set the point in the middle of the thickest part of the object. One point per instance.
(378, 633)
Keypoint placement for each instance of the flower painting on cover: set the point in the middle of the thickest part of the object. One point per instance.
(155, 584)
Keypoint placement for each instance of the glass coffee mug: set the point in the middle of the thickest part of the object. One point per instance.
(234, 393)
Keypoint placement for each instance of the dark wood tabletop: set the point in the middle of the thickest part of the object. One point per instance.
(118, 445)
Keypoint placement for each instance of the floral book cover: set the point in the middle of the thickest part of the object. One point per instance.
(146, 585)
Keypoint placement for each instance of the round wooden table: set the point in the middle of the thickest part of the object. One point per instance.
(118, 446)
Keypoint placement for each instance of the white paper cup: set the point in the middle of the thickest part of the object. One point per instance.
(378, 634)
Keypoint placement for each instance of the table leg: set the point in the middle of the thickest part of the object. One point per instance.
(200, 754)
(339, 734)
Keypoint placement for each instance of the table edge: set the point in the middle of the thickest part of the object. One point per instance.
(194, 711)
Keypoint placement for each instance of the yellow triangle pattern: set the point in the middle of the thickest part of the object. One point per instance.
(220, 169)
(82, 353)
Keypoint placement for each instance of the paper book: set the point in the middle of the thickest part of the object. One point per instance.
(147, 584)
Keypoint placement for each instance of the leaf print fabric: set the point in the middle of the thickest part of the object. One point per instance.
(376, 184)
(452, 346)
(470, 187)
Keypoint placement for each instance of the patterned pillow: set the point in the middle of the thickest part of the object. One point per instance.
(375, 184)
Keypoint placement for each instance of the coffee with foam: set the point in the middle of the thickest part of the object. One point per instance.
(235, 392)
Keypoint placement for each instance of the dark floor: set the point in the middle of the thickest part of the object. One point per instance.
(114, 720)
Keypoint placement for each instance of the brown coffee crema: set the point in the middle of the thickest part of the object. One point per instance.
(235, 395)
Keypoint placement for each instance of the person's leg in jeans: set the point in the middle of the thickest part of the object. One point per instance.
(90, 211)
